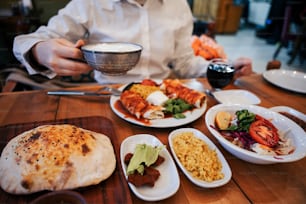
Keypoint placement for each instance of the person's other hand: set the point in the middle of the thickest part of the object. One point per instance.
(243, 67)
(61, 56)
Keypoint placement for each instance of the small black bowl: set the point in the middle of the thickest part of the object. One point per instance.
(60, 197)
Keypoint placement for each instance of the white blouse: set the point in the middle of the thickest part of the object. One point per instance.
(162, 27)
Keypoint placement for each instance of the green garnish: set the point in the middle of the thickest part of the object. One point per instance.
(179, 116)
(176, 107)
(245, 118)
(144, 155)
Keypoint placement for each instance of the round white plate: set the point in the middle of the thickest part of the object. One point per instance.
(287, 79)
(282, 123)
(168, 182)
(225, 167)
(236, 97)
(160, 123)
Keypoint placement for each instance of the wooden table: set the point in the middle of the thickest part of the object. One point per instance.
(250, 183)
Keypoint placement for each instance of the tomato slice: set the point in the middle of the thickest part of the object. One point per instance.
(258, 117)
(264, 132)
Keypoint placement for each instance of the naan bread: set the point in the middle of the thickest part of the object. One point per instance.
(55, 157)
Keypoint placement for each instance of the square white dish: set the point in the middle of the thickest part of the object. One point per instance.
(236, 97)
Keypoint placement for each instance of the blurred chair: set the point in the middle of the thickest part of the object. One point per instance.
(45, 9)
(18, 79)
(299, 47)
(13, 76)
(201, 26)
(298, 38)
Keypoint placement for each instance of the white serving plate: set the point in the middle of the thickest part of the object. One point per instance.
(289, 110)
(168, 182)
(282, 123)
(236, 97)
(287, 79)
(191, 116)
(225, 167)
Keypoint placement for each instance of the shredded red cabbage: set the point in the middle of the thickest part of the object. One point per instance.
(244, 137)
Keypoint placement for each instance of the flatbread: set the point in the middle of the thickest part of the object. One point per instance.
(55, 157)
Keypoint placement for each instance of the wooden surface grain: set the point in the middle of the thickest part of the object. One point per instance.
(250, 183)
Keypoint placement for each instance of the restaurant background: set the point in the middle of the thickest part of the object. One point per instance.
(232, 23)
(249, 183)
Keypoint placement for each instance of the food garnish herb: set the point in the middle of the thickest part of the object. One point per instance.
(144, 155)
(176, 107)
(244, 120)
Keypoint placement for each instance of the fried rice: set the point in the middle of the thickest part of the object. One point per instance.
(197, 157)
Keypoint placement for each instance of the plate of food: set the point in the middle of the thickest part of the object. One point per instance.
(148, 167)
(295, 115)
(199, 158)
(287, 79)
(168, 103)
(236, 97)
(256, 134)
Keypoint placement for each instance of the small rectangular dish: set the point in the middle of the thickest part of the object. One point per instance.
(236, 97)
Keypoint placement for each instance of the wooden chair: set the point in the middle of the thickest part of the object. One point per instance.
(45, 9)
(202, 27)
(299, 42)
(17, 79)
(287, 36)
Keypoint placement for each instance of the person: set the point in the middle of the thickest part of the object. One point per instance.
(163, 28)
(272, 31)
(274, 22)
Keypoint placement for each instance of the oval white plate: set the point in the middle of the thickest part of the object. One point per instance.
(160, 123)
(236, 97)
(282, 123)
(287, 79)
(168, 182)
(225, 167)
(289, 110)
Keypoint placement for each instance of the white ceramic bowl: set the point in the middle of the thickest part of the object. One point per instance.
(112, 58)
(282, 123)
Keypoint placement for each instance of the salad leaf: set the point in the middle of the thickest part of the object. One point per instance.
(179, 115)
(244, 120)
(176, 107)
(144, 155)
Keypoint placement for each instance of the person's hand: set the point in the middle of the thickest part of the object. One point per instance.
(61, 56)
(243, 67)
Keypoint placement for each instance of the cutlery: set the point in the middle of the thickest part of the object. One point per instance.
(104, 91)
